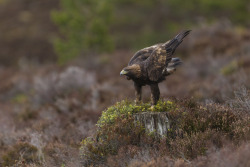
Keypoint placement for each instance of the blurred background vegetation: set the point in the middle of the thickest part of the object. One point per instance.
(80, 27)
(59, 70)
(99, 26)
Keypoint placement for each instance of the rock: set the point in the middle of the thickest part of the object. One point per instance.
(154, 122)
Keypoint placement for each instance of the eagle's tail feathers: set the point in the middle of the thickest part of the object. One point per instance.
(174, 43)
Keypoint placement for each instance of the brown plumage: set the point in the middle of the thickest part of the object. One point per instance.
(151, 65)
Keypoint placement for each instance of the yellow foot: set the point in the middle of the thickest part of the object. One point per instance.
(152, 108)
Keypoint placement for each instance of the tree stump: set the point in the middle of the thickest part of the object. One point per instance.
(154, 122)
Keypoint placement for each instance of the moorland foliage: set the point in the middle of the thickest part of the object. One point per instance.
(57, 83)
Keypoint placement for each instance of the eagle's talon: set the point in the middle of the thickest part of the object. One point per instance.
(152, 107)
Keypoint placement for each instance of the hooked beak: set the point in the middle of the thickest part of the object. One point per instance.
(123, 72)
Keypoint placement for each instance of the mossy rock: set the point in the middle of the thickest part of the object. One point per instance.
(194, 128)
(120, 125)
(127, 108)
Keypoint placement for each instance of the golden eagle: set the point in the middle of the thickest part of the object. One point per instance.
(151, 65)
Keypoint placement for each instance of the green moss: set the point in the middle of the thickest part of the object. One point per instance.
(126, 108)
(163, 106)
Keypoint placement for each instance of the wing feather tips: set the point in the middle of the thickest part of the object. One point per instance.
(175, 62)
(175, 59)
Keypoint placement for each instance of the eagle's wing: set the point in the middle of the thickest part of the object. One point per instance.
(143, 54)
(162, 55)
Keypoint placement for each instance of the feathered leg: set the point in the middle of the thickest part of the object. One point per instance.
(137, 93)
(155, 94)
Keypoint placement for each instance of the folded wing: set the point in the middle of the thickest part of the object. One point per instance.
(162, 55)
(142, 54)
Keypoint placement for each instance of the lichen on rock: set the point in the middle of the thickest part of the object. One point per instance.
(154, 122)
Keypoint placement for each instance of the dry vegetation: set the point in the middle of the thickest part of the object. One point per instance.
(48, 111)
(196, 131)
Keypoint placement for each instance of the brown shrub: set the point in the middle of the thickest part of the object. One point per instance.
(23, 152)
(109, 140)
(228, 156)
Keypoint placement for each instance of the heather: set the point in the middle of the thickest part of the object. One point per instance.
(63, 103)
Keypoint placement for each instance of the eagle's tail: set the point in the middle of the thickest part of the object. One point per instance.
(174, 43)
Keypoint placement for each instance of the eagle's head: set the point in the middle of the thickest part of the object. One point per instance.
(133, 71)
